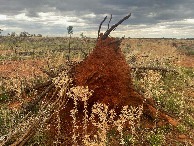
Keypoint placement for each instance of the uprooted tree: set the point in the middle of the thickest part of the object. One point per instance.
(104, 73)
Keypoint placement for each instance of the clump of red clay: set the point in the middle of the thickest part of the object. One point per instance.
(106, 72)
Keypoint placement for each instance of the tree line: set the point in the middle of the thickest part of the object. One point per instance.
(22, 34)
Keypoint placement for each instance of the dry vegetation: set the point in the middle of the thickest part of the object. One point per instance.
(156, 74)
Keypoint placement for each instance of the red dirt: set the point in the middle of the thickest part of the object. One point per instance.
(107, 73)
(21, 68)
(17, 105)
(187, 61)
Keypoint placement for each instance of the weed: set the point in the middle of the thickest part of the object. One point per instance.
(189, 120)
(39, 139)
(128, 140)
(112, 135)
(156, 139)
(173, 104)
(181, 128)
(190, 53)
(188, 72)
(166, 128)
(3, 97)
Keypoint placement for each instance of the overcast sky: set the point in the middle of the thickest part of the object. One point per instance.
(149, 18)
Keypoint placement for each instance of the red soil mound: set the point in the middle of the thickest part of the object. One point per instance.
(106, 72)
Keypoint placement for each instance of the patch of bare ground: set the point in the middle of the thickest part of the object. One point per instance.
(21, 68)
(186, 61)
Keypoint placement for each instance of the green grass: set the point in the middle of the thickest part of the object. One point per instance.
(39, 139)
(170, 102)
(190, 53)
(156, 138)
(3, 97)
(189, 120)
(42, 45)
(181, 128)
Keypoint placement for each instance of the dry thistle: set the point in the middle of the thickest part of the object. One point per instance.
(100, 111)
(80, 93)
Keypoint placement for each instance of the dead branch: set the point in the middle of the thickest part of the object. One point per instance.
(85, 54)
(109, 21)
(49, 73)
(20, 137)
(13, 135)
(41, 85)
(114, 26)
(29, 106)
(147, 101)
(89, 78)
(40, 119)
(155, 69)
(118, 42)
(27, 134)
(28, 89)
(100, 27)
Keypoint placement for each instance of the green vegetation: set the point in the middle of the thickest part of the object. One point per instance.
(3, 97)
(181, 128)
(156, 139)
(19, 48)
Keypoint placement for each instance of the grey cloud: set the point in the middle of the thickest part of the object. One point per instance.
(148, 12)
(138, 8)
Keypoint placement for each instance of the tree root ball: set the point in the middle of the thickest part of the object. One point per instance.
(106, 72)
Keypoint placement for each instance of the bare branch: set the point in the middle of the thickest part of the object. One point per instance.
(155, 69)
(85, 54)
(100, 27)
(118, 42)
(114, 26)
(28, 106)
(109, 21)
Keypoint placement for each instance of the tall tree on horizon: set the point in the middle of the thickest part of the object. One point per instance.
(70, 31)
(0, 31)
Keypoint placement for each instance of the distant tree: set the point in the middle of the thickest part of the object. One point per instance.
(28, 34)
(70, 31)
(24, 34)
(82, 35)
(13, 34)
(39, 35)
(1, 31)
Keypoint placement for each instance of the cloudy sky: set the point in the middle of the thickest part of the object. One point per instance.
(149, 18)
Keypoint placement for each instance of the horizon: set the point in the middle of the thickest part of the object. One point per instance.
(96, 37)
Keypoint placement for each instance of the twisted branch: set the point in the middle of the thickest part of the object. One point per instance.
(114, 26)
(109, 21)
(100, 27)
